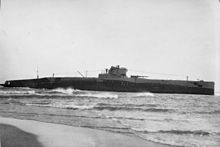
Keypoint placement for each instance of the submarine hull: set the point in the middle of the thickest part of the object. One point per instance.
(119, 85)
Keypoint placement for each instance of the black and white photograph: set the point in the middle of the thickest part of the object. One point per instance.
(109, 73)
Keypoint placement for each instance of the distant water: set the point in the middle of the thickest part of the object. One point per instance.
(174, 119)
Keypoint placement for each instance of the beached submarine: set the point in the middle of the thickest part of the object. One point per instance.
(115, 79)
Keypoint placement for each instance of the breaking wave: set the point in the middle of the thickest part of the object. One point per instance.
(143, 94)
(69, 92)
(85, 93)
(16, 92)
(99, 106)
(99, 95)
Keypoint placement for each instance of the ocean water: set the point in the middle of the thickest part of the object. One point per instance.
(174, 119)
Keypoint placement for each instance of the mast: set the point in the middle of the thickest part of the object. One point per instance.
(37, 73)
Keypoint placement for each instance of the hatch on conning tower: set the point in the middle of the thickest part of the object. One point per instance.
(114, 72)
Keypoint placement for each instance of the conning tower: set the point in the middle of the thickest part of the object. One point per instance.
(114, 72)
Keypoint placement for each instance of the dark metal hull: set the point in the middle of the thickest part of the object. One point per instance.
(119, 85)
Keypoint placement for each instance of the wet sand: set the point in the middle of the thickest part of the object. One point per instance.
(24, 133)
(13, 137)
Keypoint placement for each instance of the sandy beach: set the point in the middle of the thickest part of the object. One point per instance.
(24, 133)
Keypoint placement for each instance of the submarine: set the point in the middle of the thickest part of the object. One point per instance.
(115, 79)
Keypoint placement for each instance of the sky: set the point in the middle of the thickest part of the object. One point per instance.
(175, 37)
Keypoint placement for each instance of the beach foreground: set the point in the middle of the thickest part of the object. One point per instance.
(15, 132)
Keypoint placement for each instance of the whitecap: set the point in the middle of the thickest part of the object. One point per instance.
(16, 92)
(144, 94)
(68, 91)
(99, 95)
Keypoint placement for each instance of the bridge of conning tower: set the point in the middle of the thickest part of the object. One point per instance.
(114, 72)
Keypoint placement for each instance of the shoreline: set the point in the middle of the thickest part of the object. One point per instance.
(44, 134)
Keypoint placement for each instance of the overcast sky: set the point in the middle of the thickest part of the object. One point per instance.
(176, 37)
